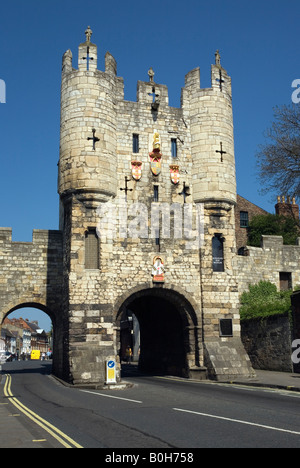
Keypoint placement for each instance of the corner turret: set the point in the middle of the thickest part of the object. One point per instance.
(212, 135)
(88, 156)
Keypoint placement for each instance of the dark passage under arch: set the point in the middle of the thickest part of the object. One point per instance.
(165, 321)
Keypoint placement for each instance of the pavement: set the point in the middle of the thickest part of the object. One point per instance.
(271, 379)
(16, 431)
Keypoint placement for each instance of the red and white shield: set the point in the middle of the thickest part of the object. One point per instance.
(136, 169)
(174, 172)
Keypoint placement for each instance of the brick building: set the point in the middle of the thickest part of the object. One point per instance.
(244, 212)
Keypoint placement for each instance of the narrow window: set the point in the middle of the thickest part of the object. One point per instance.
(91, 249)
(155, 194)
(218, 253)
(174, 147)
(157, 239)
(135, 143)
(244, 219)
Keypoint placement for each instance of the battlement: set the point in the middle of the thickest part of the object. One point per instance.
(147, 92)
(39, 237)
(220, 80)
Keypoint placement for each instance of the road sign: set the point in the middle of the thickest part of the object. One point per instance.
(111, 371)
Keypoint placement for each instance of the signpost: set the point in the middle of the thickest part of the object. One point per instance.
(111, 372)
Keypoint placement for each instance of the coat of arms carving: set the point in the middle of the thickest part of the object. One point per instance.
(174, 172)
(136, 169)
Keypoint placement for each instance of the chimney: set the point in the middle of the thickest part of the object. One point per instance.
(287, 208)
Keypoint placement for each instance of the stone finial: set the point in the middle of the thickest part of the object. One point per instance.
(217, 58)
(151, 75)
(88, 34)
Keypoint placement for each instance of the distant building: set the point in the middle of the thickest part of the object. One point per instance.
(245, 212)
(28, 335)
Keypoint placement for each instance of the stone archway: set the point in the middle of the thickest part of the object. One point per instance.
(171, 340)
(58, 356)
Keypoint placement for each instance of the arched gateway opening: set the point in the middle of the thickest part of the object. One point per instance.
(169, 341)
(29, 326)
(57, 338)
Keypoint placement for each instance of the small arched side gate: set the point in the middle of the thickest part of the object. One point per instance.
(59, 360)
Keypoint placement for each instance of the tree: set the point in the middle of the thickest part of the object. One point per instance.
(263, 300)
(279, 159)
(272, 225)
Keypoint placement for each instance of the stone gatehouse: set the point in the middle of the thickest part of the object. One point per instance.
(147, 225)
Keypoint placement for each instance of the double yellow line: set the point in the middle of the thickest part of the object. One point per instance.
(65, 440)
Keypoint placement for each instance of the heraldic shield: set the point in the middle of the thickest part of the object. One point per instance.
(155, 162)
(136, 169)
(155, 155)
(174, 172)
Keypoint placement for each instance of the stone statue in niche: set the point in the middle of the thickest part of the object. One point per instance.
(155, 155)
(158, 270)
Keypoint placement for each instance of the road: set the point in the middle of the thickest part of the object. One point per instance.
(157, 412)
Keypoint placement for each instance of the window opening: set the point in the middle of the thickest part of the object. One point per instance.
(135, 143)
(91, 250)
(174, 147)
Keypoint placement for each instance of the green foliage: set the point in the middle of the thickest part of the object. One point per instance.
(273, 225)
(263, 300)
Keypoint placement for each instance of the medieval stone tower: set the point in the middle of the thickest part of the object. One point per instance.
(147, 229)
(132, 160)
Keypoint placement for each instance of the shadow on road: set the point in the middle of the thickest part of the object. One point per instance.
(28, 367)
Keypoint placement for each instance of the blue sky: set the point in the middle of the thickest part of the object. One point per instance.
(259, 46)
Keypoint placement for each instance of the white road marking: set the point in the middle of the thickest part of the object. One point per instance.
(111, 396)
(238, 421)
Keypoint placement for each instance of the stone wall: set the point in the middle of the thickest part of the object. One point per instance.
(266, 263)
(31, 276)
(31, 271)
(268, 343)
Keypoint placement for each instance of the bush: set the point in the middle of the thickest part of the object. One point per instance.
(263, 300)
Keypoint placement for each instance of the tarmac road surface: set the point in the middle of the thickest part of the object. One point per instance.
(156, 413)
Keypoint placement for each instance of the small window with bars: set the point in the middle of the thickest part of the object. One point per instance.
(91, 250)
